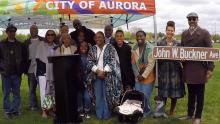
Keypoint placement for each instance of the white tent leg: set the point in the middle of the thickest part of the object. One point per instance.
(155, 39)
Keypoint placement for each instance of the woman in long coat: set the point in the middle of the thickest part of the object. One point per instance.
(103, 64)
(170, 72)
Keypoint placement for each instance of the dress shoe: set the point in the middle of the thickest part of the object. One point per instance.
(8, 115)
(185, 118)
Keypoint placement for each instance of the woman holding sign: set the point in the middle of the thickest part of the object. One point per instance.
(170, 83)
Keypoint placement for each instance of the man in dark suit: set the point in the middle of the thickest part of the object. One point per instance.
(108, 34)
(196, 73)
(88, 33)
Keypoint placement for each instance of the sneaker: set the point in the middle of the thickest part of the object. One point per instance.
(16, 113)
(87, 116)
(81, 114)
(8, 115)
(185, 118)
(197, 121)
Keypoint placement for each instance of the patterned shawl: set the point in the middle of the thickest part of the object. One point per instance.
(113, 79)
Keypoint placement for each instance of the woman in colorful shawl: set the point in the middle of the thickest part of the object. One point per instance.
(103, 64)
(45, 72)
(170, 83)
(143, 68)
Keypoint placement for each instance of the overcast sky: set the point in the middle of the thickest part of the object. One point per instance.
(176, 10)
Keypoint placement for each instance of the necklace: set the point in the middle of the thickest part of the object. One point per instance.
(169, 42)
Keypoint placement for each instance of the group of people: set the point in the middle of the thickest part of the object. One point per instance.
(109, 66)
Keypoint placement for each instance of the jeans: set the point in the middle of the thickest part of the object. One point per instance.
(11, 83)
(32, 84)
(84, 101)
(147, 90)
(195, 98)
(102, 110)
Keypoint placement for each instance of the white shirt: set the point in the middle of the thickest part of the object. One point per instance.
(66, 50)
(192, 29)
(32, 55)
(100, 65)
(107, 40)
(12, 41)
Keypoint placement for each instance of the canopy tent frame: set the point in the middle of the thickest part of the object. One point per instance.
(27, 20)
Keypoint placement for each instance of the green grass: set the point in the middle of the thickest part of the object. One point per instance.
(211, 112)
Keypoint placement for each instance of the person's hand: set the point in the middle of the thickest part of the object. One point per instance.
(183, 60)
(100, 74)
(98, 71)
(128, 88)
(209, 74)
(140, 77)
(142, 68)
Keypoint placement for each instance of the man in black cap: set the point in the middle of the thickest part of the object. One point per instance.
(11, 62)
(196, 73)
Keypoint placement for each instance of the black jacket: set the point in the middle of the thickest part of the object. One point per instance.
(19, 50)
(127, 75)
(89, 35)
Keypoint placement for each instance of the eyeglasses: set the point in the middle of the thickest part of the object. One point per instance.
(50, 34)
(192, 19)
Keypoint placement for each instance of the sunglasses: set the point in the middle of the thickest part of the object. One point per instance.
(50, 34)
(12, 31)
(192, 19)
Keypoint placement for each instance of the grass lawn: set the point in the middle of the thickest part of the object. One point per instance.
(211, 113)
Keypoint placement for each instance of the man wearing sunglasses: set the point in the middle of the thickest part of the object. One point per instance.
(11, 69)
(196, 73)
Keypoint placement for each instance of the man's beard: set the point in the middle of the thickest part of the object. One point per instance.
(192, 27)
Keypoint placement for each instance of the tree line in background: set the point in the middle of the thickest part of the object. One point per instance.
(129, 36)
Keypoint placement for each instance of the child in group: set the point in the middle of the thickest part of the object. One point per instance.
(84, 101)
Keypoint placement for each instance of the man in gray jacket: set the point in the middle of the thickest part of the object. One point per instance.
(31, 47)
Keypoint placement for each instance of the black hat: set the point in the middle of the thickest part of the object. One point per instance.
(11, 27)
(192, 14)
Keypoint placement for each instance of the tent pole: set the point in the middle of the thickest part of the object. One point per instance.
(126, 20)
(155, 27)
(155, 39)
